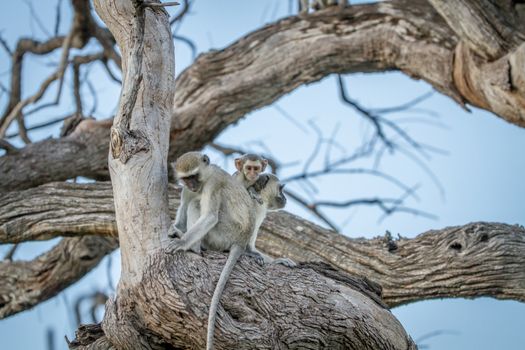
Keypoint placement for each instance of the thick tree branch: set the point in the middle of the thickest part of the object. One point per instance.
(478, 259)
(482, 259)
(59, 209)
(24, 284)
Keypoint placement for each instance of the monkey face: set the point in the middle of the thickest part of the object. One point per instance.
(251, 170)
(192, 182)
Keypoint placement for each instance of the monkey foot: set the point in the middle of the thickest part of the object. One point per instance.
(259, 259)
(284, 261)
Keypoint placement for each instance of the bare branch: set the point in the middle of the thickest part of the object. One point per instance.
(58, 74)
(11, 252)
(40, 125)
(313, 209)
(57, 17)
(8, 147)
(184, 10)
(188, 42)
(24, 284)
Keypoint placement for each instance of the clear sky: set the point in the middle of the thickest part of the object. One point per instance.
(480, 172)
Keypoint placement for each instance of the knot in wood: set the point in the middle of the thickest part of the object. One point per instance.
(126, 143)
(115, 142)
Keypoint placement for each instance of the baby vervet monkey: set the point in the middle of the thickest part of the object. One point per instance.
(217, 212)
(249, 166)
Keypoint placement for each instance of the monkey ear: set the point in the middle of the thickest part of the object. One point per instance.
(205, 159)
(264, 164)
(238, 164)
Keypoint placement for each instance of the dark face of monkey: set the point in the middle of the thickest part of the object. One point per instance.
(192, 182)
(280, 199)
(270, 184)
(191, 169)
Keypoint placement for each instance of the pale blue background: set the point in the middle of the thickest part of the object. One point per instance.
(481, 174)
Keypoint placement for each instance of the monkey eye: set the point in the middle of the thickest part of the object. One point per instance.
(191, 177)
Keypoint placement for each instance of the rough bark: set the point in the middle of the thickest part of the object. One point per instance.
(140, 132)
(57, 209)
(271, 307)
(473, 260)
(222, 86)
(24, 284)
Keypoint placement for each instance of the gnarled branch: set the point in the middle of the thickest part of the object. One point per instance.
(24, 284)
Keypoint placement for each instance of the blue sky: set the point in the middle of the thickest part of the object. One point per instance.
(480, 172)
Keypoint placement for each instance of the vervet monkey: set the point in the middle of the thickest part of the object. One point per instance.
(249, 166)
(219, 213)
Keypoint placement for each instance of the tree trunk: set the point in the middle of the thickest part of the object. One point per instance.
(162, 300)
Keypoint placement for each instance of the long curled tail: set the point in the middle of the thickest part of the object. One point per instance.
(235, 253)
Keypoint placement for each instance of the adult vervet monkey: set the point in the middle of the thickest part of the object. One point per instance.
(218, 212)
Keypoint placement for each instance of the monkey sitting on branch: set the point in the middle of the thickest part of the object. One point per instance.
(217, 212)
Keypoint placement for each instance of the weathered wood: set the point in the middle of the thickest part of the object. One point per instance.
(491, 28)
(482, 259)
(272, 307)
(138, 166)
(221, 87)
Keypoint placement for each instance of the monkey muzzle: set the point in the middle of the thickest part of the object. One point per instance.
(192, 183)
(281, 198)
(281, 202)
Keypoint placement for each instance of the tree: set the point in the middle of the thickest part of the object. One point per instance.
(429, 42)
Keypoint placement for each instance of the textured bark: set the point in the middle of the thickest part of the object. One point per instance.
(57, 209)
(140, 133)
(273, 307)
(222, 86)
(489, 27)
(24, 284)
(474, 260)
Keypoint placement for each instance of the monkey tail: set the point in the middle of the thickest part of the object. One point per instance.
(235, 253)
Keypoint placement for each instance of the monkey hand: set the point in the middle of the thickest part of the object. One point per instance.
(174, 232)
(176, 245)
(284, 261)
